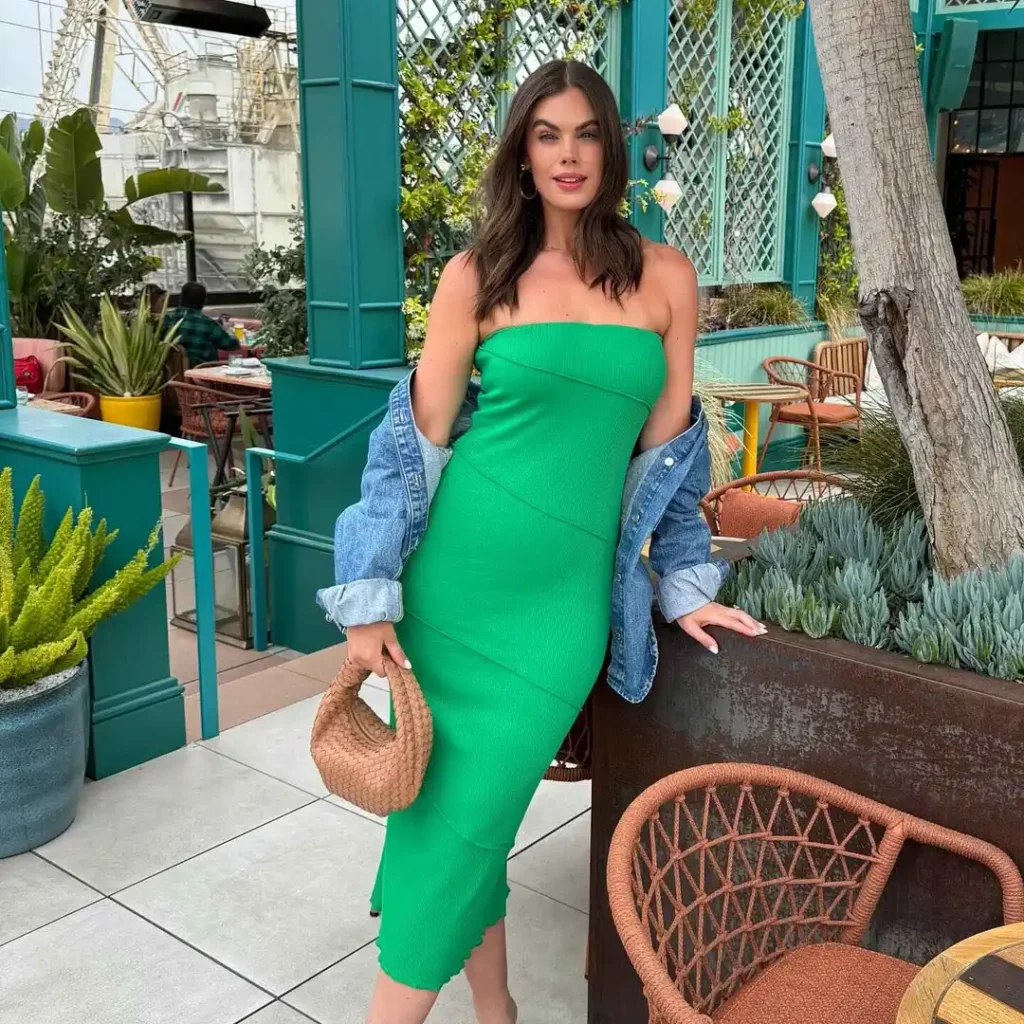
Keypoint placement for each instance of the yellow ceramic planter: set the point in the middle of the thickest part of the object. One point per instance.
(142, 411)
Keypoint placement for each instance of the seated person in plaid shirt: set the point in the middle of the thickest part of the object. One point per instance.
(199, 335)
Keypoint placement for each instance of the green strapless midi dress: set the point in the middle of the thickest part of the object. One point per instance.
(506, 619)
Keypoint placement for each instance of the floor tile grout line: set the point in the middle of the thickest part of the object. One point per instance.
(193, 947)
(210, 849)
(548, 835)
(100, 897)
(256, 1013)
(260, 771)
(340, 960)
(548, 896)
(362, 815)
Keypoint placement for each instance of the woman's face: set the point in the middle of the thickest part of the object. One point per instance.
(564, 151)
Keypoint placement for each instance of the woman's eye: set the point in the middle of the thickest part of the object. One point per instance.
(588, 135)
(547, 137)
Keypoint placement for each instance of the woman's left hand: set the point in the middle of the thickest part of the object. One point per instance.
(718, 615)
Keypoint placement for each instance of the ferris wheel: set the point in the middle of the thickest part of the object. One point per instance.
(101, 25)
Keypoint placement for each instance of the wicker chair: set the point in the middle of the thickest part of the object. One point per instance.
(190, 397)
(85, 403)
(742, 892)
(848, 357)
(814, 413)
(745, 507)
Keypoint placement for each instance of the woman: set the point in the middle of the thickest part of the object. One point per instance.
(584, 336)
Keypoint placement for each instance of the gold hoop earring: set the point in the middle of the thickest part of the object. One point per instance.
(522, 191)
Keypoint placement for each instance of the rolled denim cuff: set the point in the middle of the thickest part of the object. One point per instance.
(361, 602)
(686, 590)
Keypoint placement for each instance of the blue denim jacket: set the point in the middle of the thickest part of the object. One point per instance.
(661, 499)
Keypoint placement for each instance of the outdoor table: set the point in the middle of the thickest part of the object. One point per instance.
(254, 408)
(752, 395)
(220, 378)
(977, 981)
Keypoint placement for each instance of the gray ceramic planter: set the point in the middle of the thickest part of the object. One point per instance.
(44, 737)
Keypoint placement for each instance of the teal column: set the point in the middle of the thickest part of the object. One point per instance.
(807, 126)
(642, 93)
(8, 397)
(351, 174)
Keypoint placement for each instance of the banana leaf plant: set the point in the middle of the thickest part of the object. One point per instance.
(122, 358)
(54, 182)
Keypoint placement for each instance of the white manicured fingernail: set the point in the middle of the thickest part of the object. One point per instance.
(408, 663)
(713, 650)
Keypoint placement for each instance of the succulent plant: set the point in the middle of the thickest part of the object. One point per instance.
(46, 616)
(838, 573)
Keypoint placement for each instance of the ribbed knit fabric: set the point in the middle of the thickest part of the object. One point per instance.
(506, 619)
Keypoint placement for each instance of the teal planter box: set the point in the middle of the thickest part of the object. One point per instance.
(44, 737)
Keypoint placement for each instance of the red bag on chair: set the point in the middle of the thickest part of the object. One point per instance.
(28, 374)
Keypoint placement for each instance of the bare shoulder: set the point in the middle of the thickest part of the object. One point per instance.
(459, 276)
(673, 271)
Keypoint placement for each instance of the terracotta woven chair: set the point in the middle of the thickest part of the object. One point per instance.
(742, 892)
(814, 413)
(85, 404)
(189, 398)
(748, 505)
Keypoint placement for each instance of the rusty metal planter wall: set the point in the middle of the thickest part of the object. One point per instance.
(943, 744)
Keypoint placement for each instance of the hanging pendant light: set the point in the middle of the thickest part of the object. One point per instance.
(824, 202)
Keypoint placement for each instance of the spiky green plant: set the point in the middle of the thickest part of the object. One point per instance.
(838, 573)
(46, 616)
(124, 358)
(1000, 294)
(758, 305)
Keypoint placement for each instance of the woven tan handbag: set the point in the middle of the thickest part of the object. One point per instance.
(359, 757)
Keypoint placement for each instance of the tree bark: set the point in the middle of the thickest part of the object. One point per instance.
(965, 467)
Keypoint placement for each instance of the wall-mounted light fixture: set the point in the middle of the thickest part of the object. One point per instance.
(824, 202)
(671, 123)
(828, 147)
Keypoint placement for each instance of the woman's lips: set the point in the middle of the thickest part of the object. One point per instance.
(570, 182)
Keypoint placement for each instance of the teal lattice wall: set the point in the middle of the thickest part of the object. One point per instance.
(733, 82)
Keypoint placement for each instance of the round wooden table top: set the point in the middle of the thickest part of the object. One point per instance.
(977, 981)
(758, 392)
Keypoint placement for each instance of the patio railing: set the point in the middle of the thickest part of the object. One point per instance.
(202, 558)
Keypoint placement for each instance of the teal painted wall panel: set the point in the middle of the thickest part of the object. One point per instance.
(319, 36)
(373, 22)
(297, 567)
(137, 707)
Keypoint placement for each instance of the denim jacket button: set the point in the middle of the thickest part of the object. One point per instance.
(618, 577)
(670, 461)
(636, 518)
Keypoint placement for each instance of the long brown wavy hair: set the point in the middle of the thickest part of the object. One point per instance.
(605, 248)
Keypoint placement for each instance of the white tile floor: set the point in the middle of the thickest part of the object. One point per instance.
(218, 884)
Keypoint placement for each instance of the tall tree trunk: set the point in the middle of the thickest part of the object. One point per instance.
(965, 466)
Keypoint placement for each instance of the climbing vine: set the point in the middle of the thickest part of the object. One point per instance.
(837, 273)
(699, 13)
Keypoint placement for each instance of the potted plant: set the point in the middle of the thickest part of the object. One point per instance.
(47, 614)
(123, 361)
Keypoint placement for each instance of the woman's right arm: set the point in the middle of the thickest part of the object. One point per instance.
(439, 388)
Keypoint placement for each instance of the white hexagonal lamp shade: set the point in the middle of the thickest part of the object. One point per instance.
(667, 193)
(672, 121)
(824, 202)
(828, 148)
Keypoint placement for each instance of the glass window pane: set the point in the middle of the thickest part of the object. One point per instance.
(998, 78)
(1016, 144)
(993, 131)
(972, 95)
(1018, 84)
(964, 135)
(1020, 43)
(1000, 45)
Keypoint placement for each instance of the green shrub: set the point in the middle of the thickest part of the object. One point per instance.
(878, 467)
(757, 305)
(838, 573)
(1000, 294)
(46, 614)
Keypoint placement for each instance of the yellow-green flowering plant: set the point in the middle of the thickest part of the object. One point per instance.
(46, 611)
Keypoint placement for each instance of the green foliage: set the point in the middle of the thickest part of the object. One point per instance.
(85, 247)
(837, 271)
(280, 274)
(45, 619)
(735, 120)
(838, 573)
(698, 14)
(878, 466)
(124, 357)
(1000, 294)
(744, 305)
